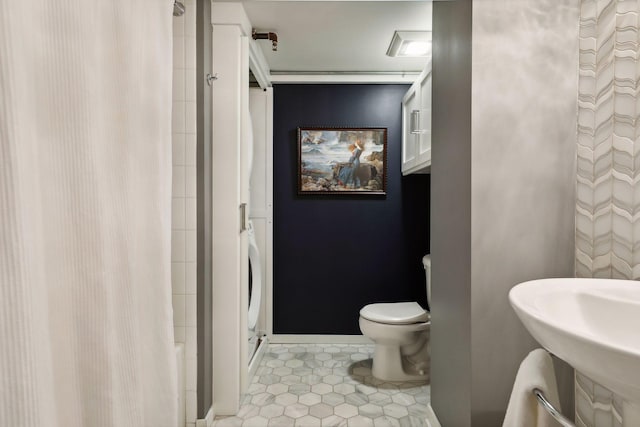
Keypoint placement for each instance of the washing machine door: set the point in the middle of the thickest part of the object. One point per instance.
(255, 281)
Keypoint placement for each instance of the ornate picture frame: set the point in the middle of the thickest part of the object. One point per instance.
(342, 160)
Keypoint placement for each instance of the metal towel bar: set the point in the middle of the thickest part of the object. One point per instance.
(564, 421)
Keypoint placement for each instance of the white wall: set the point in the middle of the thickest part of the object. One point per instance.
(183, 224)
(230, 55)
(451, 213)
(524, 107)
(503, 188)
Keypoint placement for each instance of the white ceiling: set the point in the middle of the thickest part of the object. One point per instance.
(337, 36)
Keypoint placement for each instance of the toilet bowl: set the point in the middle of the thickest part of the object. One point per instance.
(401, 334)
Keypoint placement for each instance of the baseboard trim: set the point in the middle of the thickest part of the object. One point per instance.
(207, 421)
(257, 357)
(432, 420)
(319, 339)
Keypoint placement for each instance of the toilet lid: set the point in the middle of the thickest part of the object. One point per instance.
(398, 313)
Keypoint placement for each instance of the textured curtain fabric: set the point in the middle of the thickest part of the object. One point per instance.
(85, 190)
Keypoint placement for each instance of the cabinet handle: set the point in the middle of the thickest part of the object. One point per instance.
(415, 122)
(243, 217)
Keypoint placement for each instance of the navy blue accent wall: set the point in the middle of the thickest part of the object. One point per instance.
(334, 254)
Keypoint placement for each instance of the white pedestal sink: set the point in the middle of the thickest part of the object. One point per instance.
(592, 324)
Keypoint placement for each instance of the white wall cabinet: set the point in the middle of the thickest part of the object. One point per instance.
(416, 125)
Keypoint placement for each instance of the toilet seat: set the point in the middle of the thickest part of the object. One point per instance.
(399, 313)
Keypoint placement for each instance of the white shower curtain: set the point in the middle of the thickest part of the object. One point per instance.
(86, 334)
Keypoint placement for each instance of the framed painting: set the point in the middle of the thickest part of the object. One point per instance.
(334, 160)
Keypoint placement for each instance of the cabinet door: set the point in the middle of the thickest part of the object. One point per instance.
(423, 149)
(410, 104)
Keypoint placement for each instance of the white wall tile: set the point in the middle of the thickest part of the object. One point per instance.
(183, 275)
(190, 52)
(191, 374)
(190, 181)
(190, 117)
(178, 182)
(178, 117)
(178, 277)
(179, 317)
(191, 319)
(190, 149)
(178, 85)
(605, 245)
(602, 395)
(583, 408)
(191, 246)
(178, 243)
(179, 334)
(603, 418)
(192, 406)
(178, 52)
(178, 148)
(190, 213)
(191, 343)
(178, 26)
(190, 18)
(178, 208)
(190, 278)
(190, 86)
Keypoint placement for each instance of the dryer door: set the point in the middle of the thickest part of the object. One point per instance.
(255, 284)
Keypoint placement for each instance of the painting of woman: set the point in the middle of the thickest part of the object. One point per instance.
(348, 175)
(341, 160)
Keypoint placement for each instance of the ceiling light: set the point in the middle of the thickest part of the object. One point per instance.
(410, 43)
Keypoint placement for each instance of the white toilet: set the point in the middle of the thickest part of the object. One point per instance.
(400, 332)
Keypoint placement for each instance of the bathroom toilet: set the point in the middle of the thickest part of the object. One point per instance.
(400, 332)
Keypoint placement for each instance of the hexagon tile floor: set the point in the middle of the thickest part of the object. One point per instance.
(318, 385)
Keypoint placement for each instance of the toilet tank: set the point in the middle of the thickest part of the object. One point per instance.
(426, 263)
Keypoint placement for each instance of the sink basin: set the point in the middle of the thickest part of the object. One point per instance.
(592, 324)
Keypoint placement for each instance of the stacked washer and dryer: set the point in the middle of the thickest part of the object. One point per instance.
(256, 284)
(255, 292)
